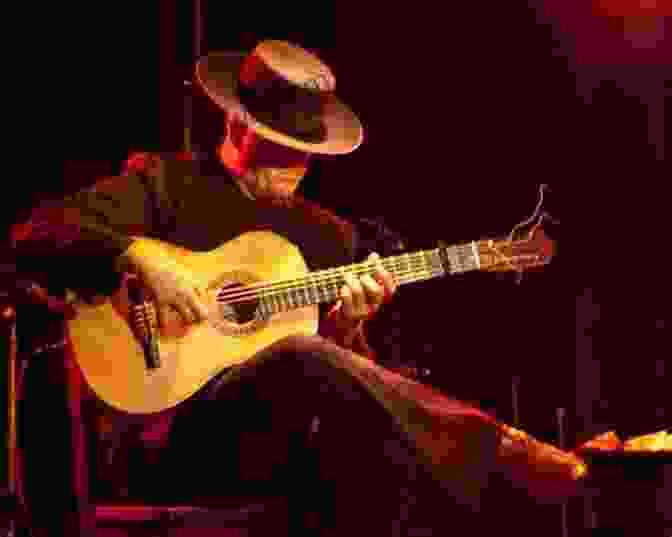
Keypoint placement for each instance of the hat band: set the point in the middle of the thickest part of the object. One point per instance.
(287, 108)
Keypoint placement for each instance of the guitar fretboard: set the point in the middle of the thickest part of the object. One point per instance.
(324, 285)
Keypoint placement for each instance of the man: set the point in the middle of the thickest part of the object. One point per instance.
(395, 457)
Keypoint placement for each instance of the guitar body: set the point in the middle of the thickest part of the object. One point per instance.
(112, 358)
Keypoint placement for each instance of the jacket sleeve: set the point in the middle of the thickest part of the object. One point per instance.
(74, 243)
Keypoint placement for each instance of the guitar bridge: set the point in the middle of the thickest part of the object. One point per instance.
(144, 325)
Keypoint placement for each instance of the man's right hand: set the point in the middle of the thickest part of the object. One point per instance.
(169, 281)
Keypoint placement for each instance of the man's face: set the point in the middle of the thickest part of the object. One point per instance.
(266, 168)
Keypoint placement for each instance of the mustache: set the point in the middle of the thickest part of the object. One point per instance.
(281, 175)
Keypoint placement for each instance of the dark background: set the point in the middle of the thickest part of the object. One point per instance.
(467, 110)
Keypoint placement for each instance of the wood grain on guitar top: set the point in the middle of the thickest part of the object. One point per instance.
(111, 357)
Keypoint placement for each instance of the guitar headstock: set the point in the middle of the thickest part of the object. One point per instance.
(532, 250)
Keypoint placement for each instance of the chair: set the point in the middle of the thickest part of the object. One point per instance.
(117, 513)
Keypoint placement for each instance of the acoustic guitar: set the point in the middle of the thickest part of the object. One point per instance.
(258, 291)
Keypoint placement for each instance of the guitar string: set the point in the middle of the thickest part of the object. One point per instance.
(334, 281)
(241, 297)
(389, 262)
(320, 276)
(329, 284)
(336, 278)
(335, 275)
(405, 278)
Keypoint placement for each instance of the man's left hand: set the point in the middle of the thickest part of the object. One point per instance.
(363, 296)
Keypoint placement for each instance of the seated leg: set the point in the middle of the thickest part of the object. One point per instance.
(389, 447)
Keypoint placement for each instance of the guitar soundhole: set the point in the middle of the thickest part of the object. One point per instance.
(243, 310)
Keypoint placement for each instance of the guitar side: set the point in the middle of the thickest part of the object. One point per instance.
(111, 358)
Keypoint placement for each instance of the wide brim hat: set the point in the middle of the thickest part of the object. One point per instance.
(285, 94)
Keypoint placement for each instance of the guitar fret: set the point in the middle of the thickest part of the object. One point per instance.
(310, 286)
(426, 266)
(425, 271)
(303, 296)
(323, 286)
(436, 261)
(324, 290)
(396, 263)
(474, 251)
(460, 254)
(460, 258)
(329, 287)
(471, 262)
(263, 306)
(338, 283)
(268, 300)
(411, 265)
(452, 258)
(466, 257)
(305, 289)
(427, 260)
(318, 290)
(284, 300)
(266, 307)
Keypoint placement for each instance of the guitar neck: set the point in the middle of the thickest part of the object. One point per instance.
(324, 285)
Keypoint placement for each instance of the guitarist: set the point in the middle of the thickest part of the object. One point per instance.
(395, 457)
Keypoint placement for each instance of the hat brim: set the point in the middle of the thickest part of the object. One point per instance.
(217, 73)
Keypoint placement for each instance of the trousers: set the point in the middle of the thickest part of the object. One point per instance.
(390, 456)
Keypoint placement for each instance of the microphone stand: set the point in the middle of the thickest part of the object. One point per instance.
(10, 496)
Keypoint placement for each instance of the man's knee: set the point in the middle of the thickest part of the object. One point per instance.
(309, 353)
(298, 344)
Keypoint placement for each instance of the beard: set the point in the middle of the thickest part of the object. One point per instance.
(281, 182)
